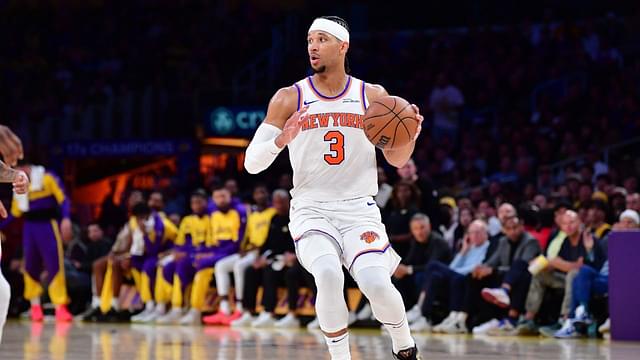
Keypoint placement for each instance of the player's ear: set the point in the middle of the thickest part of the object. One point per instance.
(344, 46)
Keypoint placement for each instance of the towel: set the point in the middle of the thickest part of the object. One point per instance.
(37, 184)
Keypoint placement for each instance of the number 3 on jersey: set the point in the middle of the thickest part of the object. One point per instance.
(336, 140)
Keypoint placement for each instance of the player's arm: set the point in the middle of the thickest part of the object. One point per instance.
(396, 157)
(281, 125)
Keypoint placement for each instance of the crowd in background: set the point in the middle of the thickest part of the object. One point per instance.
(455, 250)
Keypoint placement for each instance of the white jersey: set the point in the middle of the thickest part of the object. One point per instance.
(331, 157)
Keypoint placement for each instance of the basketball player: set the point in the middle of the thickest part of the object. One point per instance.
(20, 183)
(334, 218)
(41, 208)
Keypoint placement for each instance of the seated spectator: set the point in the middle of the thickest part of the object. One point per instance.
(597, 218)
(404, 204)
(506, 266)
(428, 202)
(487, 213)
(384, 189)
(591, 282)
(276, 265)
(439, 278)
(80, 257)
(633, 202)
(426, 246)
(578, 249)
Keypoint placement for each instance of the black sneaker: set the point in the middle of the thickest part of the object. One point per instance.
(408, 354)
(92, 315)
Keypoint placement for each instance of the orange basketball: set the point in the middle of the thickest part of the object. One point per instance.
(390, 122)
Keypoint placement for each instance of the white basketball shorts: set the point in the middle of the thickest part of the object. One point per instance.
(353, 227)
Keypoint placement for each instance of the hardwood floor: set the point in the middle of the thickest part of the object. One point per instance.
(23, 340)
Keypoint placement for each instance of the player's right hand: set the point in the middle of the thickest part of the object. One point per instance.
(292, 127)
(10, 146)
(21, 183)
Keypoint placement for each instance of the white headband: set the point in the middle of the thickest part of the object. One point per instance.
(330, 27)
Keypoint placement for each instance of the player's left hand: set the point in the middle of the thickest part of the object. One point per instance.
(66, 230)
(420, 119)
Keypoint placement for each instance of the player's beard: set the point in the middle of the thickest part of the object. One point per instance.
(319, 70)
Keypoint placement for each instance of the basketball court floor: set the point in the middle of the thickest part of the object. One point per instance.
(23, 340)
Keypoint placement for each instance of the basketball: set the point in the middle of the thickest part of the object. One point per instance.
(390, 122)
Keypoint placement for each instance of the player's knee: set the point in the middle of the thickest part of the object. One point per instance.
(373, 283)
(328, 272)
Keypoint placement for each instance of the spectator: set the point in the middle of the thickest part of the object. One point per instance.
(275, 266)
(618, 200)
(507, 266)
(448, 219)
(487, 213)
(633, 202)
(428, 194)
(445, 102)
(578, 248)
(384, 189)
(591, 281)
(404, 204)
(79, 260)
(439, 278)
(426, 246)
(597, 219)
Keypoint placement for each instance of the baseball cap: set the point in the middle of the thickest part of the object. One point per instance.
(448, 200)
(599, 195)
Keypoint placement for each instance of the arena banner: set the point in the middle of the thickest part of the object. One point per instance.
(117, 148)
(233, 121)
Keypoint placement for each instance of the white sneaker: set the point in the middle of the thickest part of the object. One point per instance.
(445, 323)
(264, 320)
(455, 327)
(605, 327)
(365, 313)
(485, 327)
(497, 296)
(504, 329)
(172, 317)
(147, 310)
(313, 325)
(245, 320)
(290, 322)
(414, 314)
(192, 317)
(421, 324)
(157, 313)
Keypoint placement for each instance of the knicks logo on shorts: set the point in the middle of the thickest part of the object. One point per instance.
(369, 236)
